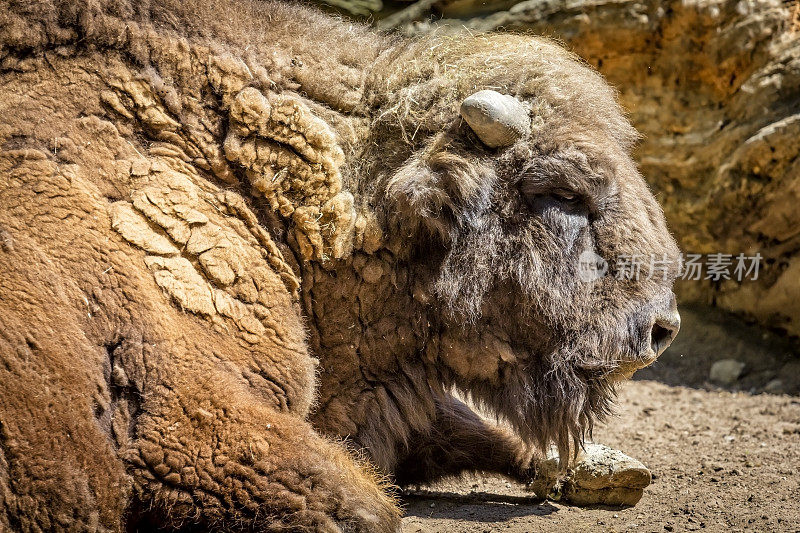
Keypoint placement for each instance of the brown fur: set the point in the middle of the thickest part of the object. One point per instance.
(239, 238)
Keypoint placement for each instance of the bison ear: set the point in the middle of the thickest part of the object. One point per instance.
(440, 192)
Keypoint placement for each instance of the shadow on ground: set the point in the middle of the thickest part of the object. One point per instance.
(445, 508)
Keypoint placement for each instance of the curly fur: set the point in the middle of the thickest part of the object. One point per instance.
(250, 250)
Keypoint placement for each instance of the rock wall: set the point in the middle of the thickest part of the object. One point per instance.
(714, 87)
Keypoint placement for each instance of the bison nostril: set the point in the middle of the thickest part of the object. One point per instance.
(664, 330)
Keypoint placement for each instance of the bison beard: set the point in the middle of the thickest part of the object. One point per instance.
(248, 250)
(563, 387)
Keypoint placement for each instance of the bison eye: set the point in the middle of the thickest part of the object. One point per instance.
(565, 196)
(542, 195)
(544, 200)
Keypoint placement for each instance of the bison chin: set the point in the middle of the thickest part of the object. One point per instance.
(550, 400)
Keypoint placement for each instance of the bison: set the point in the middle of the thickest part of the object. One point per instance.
(251, 254)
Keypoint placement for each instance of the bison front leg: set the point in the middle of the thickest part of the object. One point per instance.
(252, 469)
(461, 441)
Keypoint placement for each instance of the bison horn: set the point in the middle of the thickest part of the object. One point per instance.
(497, 119)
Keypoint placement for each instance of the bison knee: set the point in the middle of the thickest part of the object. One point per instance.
(257, 470)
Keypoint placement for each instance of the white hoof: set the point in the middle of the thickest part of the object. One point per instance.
(600, 476)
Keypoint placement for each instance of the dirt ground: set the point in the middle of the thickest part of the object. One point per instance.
(722, 459)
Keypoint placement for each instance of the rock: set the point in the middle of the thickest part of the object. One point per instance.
(726, 371)
(774, 387)
(789, 374)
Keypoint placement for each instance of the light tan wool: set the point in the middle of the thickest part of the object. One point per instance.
(247, 250)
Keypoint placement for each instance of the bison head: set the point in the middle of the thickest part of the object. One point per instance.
(512, 166)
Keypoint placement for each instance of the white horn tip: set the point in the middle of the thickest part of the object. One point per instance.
(497, 119)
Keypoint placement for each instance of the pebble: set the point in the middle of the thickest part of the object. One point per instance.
(726, 371)
(774, 387)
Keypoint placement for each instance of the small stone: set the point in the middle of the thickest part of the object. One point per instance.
(789, 372)
(726, 371)
(774, 387)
